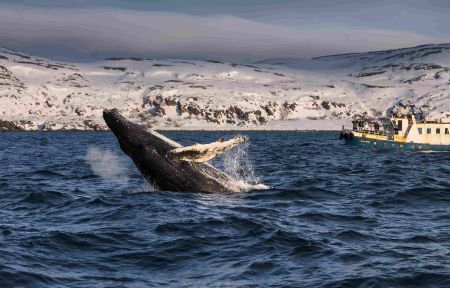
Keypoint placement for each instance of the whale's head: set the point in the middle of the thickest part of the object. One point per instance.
(131, 137)
(135, 139)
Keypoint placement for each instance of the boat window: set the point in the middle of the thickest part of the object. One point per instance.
(438, 130)
(428, 130)
(446, 131)
(419, 130)
(400, 124)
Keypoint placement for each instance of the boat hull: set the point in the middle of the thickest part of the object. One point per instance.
(390, 145)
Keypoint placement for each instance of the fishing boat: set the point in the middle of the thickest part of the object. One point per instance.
(400, 133)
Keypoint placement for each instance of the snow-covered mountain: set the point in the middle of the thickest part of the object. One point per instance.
(40, 94)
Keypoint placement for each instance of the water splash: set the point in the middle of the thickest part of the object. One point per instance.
(106, 164)
(237, 164)
(144, 187)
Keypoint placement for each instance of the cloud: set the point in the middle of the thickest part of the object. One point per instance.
(160, 34)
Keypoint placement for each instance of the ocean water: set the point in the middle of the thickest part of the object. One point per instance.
(76, 213)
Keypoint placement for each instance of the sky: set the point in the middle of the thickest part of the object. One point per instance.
(230, 30)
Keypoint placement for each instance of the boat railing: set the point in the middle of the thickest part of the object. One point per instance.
(371, 131)
(363, 130)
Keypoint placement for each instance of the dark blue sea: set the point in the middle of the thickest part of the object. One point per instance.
(75, 212)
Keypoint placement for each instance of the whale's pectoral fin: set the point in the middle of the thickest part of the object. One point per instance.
(204, 152)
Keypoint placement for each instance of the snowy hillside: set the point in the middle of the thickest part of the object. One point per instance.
(40, 94)
(376, 82)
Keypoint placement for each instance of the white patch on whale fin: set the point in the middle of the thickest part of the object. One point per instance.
(204, 152)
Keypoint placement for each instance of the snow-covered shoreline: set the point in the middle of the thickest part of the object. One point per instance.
(325, 93)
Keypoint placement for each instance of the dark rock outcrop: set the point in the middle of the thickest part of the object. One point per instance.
(9, 126)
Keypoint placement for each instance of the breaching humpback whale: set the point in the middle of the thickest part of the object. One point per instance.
(168, 165)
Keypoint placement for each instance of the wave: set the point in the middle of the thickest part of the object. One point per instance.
(46, 197)
(409, 280)
(46, 172)
(14, 277)
(353, 235)
(249, 186)
(326, 217)
(419, 193)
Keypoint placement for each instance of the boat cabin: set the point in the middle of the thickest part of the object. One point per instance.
(427, 131)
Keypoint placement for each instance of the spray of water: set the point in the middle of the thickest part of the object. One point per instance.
(141, 188)
(236, 163)
(106, 164)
